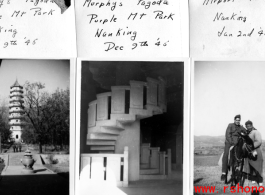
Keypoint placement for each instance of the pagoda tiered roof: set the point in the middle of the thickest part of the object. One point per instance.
(16, 84)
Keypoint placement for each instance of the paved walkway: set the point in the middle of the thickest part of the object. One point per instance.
(17, 170)
(14, 182)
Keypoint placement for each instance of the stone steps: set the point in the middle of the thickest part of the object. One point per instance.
(144, 165)
(103, 148)
(123, 118)
(153, 177)
(100, 143)
(105, 129)
(141, 113)
(101, 136)
(149, 171)
(149, 166)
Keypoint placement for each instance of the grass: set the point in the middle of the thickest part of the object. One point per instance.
(208, 173)
(5, 147)
(48, 149)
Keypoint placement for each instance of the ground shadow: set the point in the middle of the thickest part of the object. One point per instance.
(50, 184)
(39, 170)
(197, 180)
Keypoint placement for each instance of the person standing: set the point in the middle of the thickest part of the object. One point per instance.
(231, 139)
(19, 147)
(14, 147)
(255, 165)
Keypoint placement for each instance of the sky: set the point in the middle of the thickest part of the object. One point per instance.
(54, 73)
(225, 89)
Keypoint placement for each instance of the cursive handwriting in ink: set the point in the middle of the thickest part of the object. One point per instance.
(233, 17)
(112, 45)
(112, 5)
(217, 2)
(147, 4)
(94, 19)
(38, 11)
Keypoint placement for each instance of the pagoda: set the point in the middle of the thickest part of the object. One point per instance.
(16, 111)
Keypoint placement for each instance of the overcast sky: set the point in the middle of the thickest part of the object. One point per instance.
(54, 73)
(225, 89)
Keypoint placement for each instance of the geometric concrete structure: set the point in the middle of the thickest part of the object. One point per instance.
(16, 111)
(154, 164)
(106, 168)
(111, 111)
(114, 120)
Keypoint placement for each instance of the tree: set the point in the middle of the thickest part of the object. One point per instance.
(48, 115)
(56, 113)
(28, 136)
(5, 132)
(35, 99)
(4, 126)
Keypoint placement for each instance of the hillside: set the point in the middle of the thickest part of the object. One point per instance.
(209, 141)
(211, 145)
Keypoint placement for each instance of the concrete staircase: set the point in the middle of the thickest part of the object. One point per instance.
(111, 111)
(153, 163)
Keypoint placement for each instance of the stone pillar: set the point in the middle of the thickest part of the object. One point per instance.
(131, 137)
(169, 162)
(154, 160)
(126, 170)
(162, 166)
(145, 154)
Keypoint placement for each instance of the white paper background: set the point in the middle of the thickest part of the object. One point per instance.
(204, 41)
(55, 33)
(148, 29)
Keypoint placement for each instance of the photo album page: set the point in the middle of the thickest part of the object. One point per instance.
(132, 97)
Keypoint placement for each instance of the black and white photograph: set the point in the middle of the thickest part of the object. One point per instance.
(34, 126)
(228, 127)
(131, 128)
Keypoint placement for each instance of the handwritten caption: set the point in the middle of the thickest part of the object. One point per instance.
(151, 11)
(12, 33)
(241, 21)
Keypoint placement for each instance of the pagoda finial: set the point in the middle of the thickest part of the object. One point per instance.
(16, 84)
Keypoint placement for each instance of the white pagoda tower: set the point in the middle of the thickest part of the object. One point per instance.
(16, 111)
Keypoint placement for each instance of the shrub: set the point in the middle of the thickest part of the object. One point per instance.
(52, 160)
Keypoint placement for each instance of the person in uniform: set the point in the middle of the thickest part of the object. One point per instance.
(231, 139)
(14, 147)
(254, 166)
